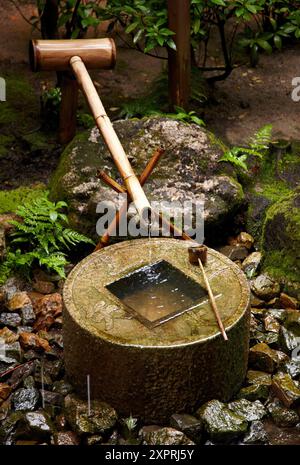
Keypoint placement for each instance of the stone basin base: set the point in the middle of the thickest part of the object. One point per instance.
(172, 368)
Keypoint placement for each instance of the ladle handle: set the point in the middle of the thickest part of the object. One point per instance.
(109, 135)
(213, 302)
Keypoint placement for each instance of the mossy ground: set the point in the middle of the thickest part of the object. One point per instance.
(10, 200)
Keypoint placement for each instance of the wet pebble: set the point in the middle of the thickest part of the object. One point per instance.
(265, 287)
(12, 320)
(189, 425)
(282, 416)
(102, 416)
(18, 301)
(256, 434)
(249, 410)
(66, 438)
(285, 388)
(39, 424)
(25, 399)
(262, 357)
(221, 424)
(163, 436)
(28, 315)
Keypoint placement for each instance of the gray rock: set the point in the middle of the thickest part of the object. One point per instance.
(278, 313)
(9, 426)
(293, 368)
(265, 287)
(62, 387)
(28, 315)
(189, 425)
(251, 264)
(94, 440)
(271, 324)
(220, 422)
(52, 398)
(287, 340)
(282, 416)
(29, 382)
(286, 389)
(25, 399)
(259, 377)
(292, 321)
(39, 424)
(102, 417)
(256, 434)
(189, 170)
(157, 436)
(13, 350)
(234, 252)
(24, 329)
(11, 320)
(66, 438)
(262, 357)
(10, 288)
(254, 392)
(249, 410)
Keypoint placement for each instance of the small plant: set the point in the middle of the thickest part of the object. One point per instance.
(182, 115)
(42, 237)
(51, 99)
(130, 423)
(258, 146)
(85, 120)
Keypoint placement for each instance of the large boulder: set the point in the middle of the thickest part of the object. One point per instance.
(281, 242)
(273, 178)
(189, 170)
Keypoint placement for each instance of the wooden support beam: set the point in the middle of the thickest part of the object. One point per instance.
(68, 109)
(180, 60)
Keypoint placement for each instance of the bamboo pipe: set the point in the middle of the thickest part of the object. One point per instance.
(110, 137)
(55, 55)
(121, 190)
(104, 241)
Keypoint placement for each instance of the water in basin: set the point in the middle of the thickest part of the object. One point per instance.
(158, 292)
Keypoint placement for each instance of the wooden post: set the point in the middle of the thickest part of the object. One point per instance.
(68, 108)
(180, 60)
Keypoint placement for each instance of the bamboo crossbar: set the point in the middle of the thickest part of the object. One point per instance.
(104, 241)
(121, 190)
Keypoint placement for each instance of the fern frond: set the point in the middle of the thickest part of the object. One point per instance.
(74, 237)
(262, 138)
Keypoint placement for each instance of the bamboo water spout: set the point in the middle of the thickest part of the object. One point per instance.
(77, 56)
(109, 135)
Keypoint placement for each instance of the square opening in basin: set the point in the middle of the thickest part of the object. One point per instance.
(157, 293)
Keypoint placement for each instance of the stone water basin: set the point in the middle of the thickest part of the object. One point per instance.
(153, 372)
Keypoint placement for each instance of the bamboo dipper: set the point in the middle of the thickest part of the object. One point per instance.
(198, 256)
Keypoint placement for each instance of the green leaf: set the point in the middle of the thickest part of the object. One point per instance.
(218, 2)
(131, 27)
(171, 44)
(53, 215)
(265, 45)
(278, 42)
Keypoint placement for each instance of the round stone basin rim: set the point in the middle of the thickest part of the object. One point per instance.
(158, 246)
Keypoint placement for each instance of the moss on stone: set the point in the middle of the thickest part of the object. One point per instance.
(10, 200)
(21, 106)
(281, 240)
